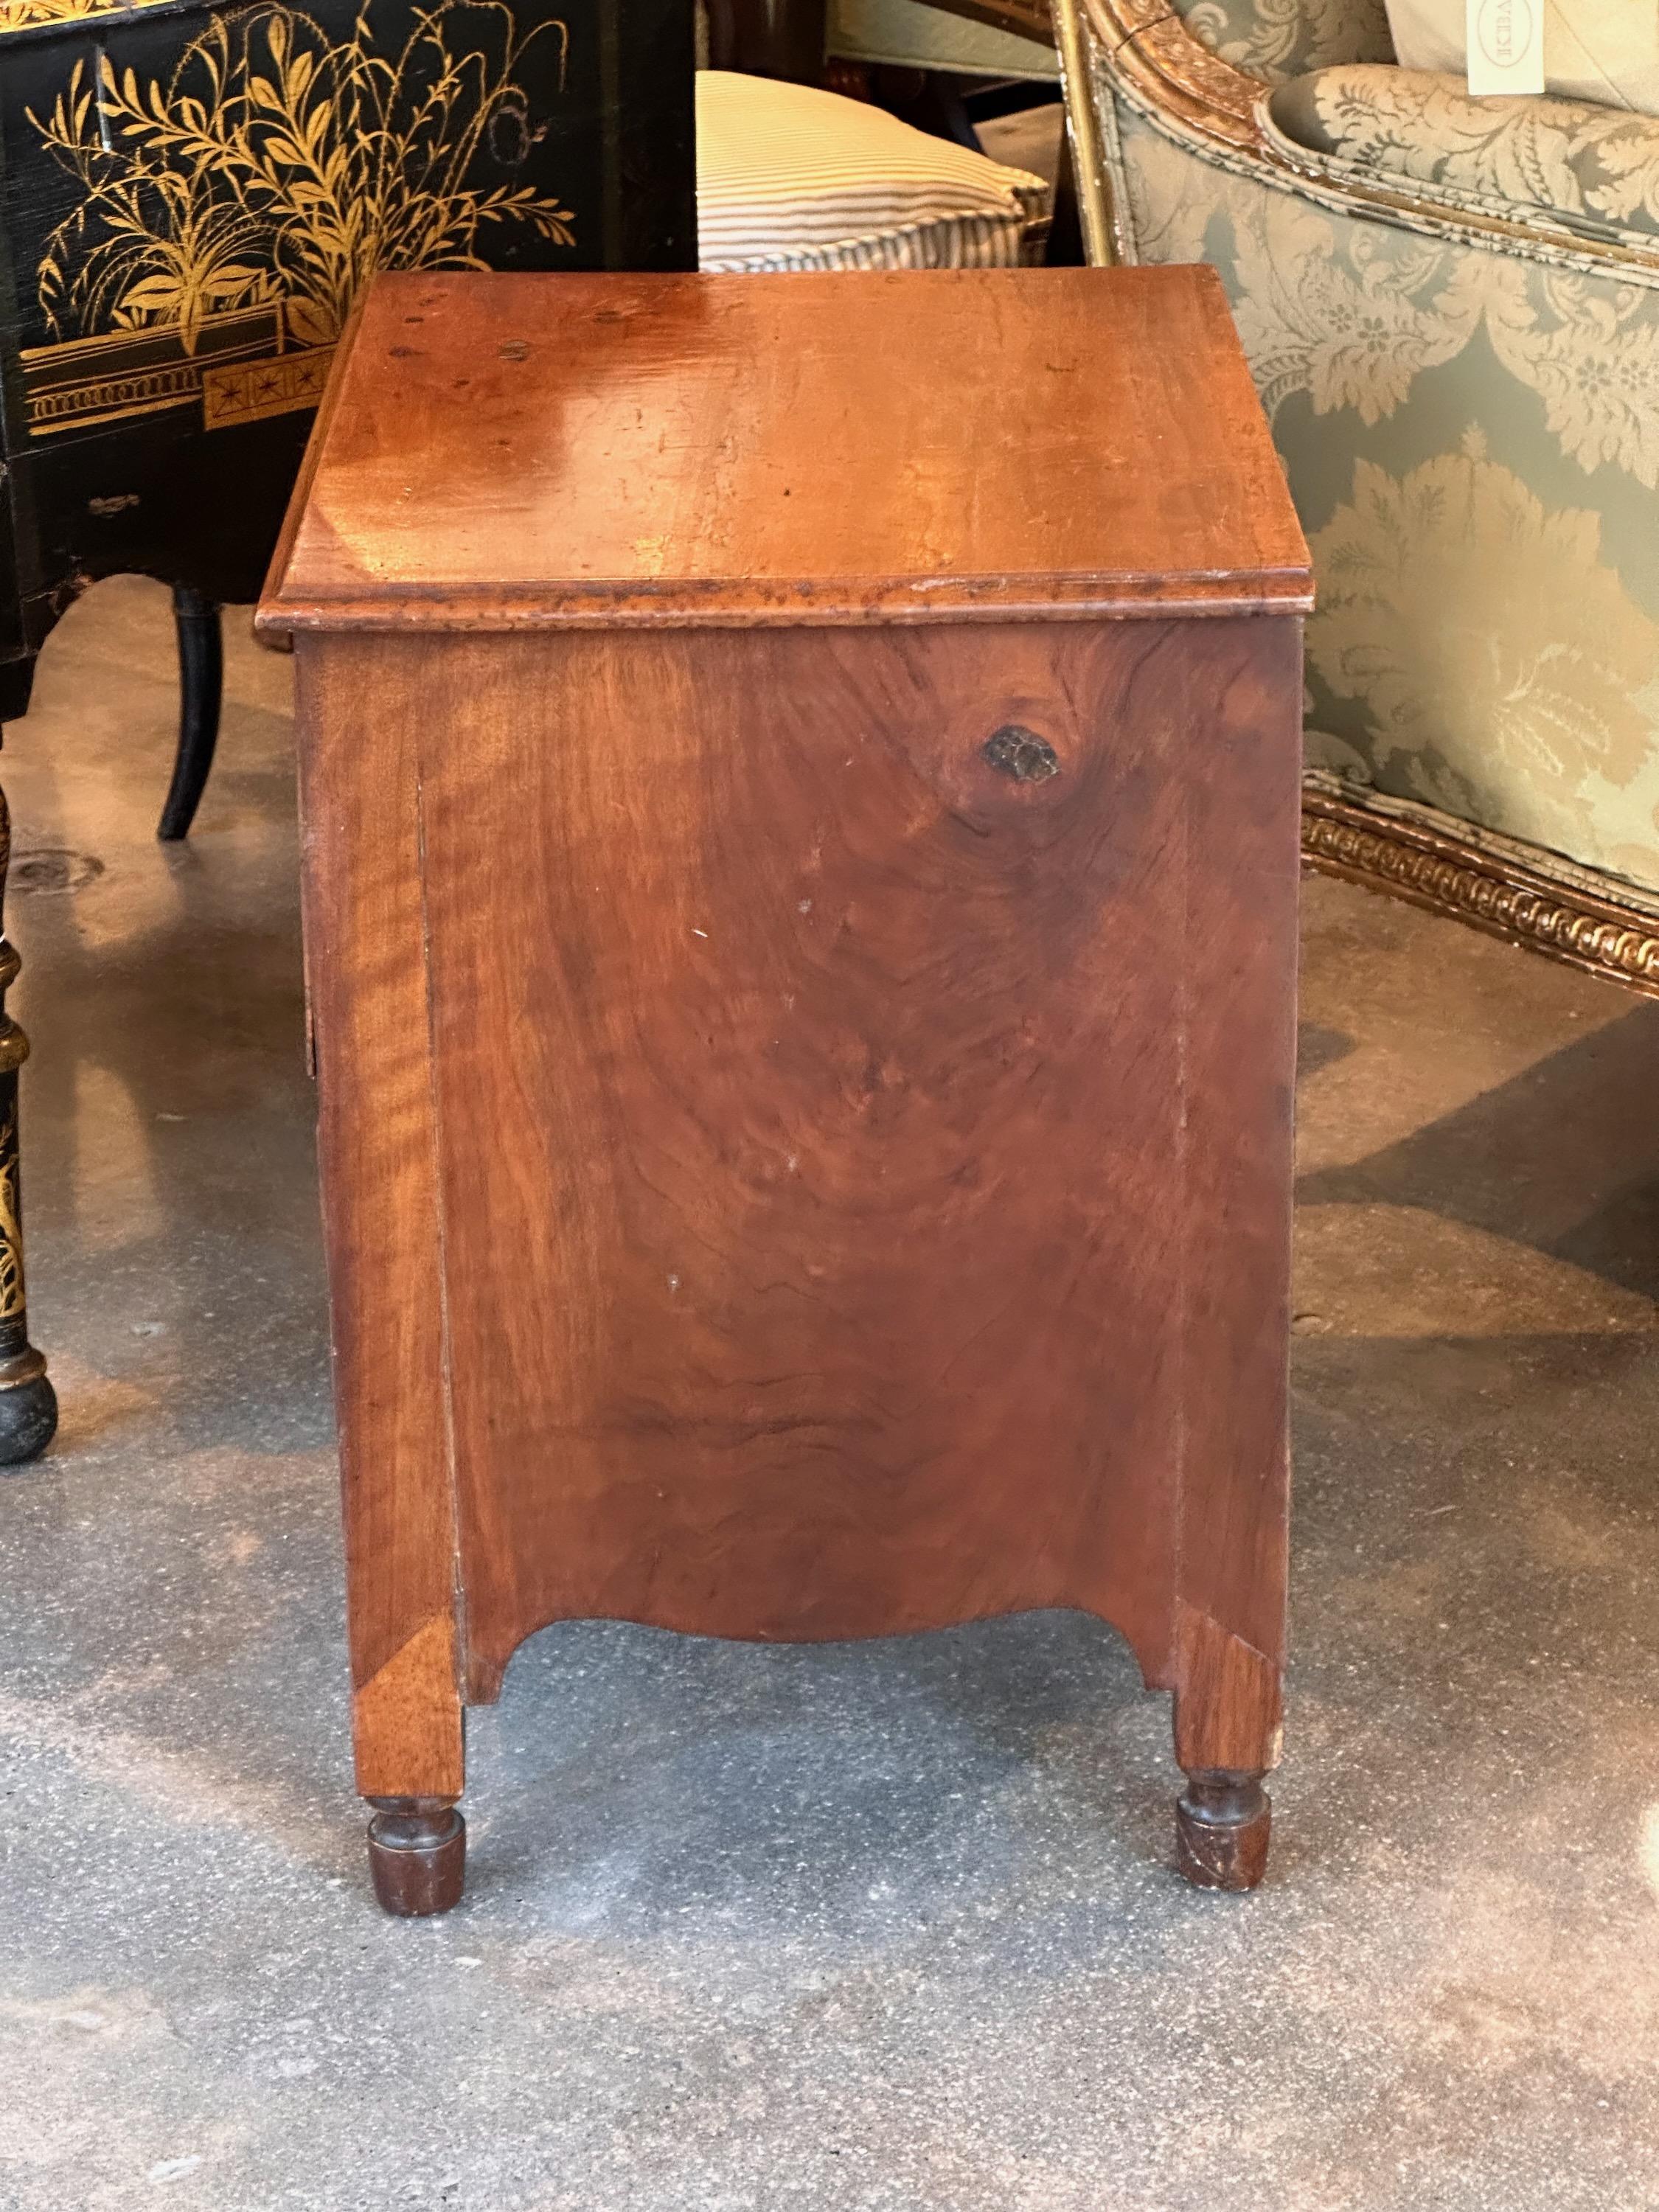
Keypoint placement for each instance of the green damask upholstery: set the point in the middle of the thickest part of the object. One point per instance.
(1594, 169)
(1275, 40)
(1452, 310)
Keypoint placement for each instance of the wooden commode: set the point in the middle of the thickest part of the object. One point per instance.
(799, 787)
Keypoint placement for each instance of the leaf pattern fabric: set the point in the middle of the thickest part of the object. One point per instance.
(1484, 628)
(1471, 432)
(1595, 169)
(1275, 40)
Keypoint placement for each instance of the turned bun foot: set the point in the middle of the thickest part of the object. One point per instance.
(1222, 1822)
(28, 1417)
(417, 1855)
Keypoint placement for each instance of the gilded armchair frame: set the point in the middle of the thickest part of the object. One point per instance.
(1144, 53)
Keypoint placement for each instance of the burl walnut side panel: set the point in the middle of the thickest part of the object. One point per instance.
(851, 1187)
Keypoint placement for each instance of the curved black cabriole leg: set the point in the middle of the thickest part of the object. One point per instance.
(29, 1405)
(201, 691)
(416, 1854)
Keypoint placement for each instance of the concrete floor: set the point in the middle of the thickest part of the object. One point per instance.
(878, 1928)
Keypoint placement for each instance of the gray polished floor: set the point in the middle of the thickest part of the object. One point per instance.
(884, 1929)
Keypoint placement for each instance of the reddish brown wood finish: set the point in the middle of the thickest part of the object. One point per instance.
(367, 986)
(853, 1074)
(805, 1105)
(960, 445)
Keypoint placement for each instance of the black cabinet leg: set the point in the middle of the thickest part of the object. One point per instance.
(201, 691)
(29, 1405)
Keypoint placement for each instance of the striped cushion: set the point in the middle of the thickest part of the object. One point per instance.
(792, 177)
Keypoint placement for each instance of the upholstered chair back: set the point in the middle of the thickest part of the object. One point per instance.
(1278, 39)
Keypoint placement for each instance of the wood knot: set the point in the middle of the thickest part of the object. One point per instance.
(1018, 752)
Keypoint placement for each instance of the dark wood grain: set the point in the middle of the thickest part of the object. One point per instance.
(198, 623)
(806, 1104)
(1223, 1825)
(28, 1403)
(416, 1856)
(785, 38)
(1028, 19)
(769, 38)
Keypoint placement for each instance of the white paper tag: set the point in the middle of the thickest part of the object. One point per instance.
(1506, 45)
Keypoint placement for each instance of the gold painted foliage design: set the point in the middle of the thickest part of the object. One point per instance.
(277, 164)
(11, 1229)
(24, 14)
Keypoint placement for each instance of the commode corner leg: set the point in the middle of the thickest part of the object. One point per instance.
(1227, 1709)
(409, 1731)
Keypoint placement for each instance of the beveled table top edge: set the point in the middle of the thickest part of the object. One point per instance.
(677, 603)
(1130, 502)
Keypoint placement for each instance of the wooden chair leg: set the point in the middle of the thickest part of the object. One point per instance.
(201, 692)
(769, 38)
(410, 1740)
(359, 808)
(29, 1405)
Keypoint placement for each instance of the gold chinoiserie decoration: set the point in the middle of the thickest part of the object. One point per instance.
(27, 14)
(228, 216)
(11, 1227)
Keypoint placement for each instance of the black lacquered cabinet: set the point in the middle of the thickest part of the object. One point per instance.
(192, 197)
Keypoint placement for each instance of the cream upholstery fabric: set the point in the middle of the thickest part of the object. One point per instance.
(1593, 169)
(792, 177)
(1278, 38)
(1468, 418)
(1602, 50)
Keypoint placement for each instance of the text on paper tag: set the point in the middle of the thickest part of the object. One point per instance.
(1506, 45)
